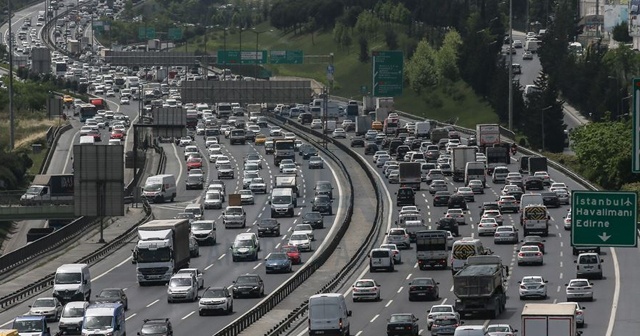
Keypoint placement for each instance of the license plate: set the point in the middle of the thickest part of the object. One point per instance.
(399, 328)
(320, 332)
(376, 263)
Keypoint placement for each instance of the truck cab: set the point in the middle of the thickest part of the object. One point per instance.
(28, 325)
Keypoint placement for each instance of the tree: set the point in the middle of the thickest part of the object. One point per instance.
(447, 57)
(421, 71)
(391, 39)
(604, 155)
(621, 33)
(544, 118)
(364, 50)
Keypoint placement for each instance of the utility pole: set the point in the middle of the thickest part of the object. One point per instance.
(12, 118)
(510, 65)
(325, 114)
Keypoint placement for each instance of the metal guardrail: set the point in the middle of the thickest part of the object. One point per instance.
(47, 281)
(162, 164)
(52, 147)
(280, 293)
(296, 314)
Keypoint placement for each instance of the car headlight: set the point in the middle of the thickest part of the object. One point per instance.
(255, 287)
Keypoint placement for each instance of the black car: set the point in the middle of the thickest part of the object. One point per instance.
(305, 118)
(516, 194)
(550, 199)
(212, 132)
(309, 152)
(534, 183)
(405, 196)
(268, 226)
(441, 198)
(449, 224)
(248, 285)
(370, 148)
(424, 288)
(403, 324)
(194, 182)
(155, 327)
(357, 142)
(415, 144)
(534, 241)
(303, 148)
(324, 188)
(314, 218)
(322, 204)
(393, 146)
(457, 202)
(401, 151)
(489, 206)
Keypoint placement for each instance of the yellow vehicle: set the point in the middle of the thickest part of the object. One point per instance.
(67, 100)
(8, 332)
(260, 139)
(376, 125)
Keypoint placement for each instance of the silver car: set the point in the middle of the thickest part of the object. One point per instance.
(506, 234)
(437, 185)
(579, 289)
(532, 286)
(530, 255)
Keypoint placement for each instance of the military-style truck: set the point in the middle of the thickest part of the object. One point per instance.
(480, 286)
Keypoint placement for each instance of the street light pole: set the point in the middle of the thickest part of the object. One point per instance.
(510, 65)
(12, 118)
(255, 68)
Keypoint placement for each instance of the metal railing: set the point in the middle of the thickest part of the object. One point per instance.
(52, 147)
(280, 293)
(47, 281)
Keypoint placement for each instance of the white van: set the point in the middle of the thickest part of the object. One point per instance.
(381, 258)
(532, 46)
(87, 140)
(470, 330)
(104, 319)
(72, 282)
(463, 249)
(160, 188)
(283, 202)
(196, 209)
(499, 174)
(423, 129)
(328, 315)
(589, 265)
(72, 316)
(530, 199)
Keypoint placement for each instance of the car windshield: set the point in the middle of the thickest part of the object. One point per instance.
(97, 322)
(202, 225)
(68, 278)
(281, 200)
(44, 303)
(246, 192)
(422, 282)
(278, 256)
(72, 312)
(579, 283)
(234, 211)
(247, 280)
(588, 259)
(242, 243)
(400, 318)
(529, 249)
(531, 280)
(110, 293)
(214, 293)
(303, 227)
(441, 310)
(179, 282)
(365, 283)
(153, 329)
(312, 215)
(268, 222)
(498, 329)
(299, 237)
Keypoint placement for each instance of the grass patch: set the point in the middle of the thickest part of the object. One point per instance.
(451, 101)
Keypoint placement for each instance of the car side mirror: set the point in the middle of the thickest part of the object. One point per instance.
(546, 281)
(348, 313)
(566, 284)
(138, 333)
(601, 260)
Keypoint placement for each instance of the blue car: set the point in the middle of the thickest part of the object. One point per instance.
(278, 262)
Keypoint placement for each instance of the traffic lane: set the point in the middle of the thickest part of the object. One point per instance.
(626, 319)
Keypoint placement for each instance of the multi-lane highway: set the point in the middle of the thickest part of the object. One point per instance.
(371, 317)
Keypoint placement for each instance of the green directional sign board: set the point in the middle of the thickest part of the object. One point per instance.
(387, 73)
(286, 57)
(604, 218)
(635, 156)
(174, 34)
(146, 33)
(242, 57)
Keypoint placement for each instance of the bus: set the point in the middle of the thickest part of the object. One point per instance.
(119, 81)
(431, 248)
(85, 111)
(59, 68)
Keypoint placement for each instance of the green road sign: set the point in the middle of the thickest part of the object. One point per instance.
(146, 33)
(363, 89)
(244, 57)
(174, 34)
(604, 218)
(286, 57)
(635, 156)
(387, 73)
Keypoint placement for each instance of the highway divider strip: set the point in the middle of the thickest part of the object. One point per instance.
(52, 147)
(280, 293)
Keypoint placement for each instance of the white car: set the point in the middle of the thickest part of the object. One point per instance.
(382, 159)
(457, 214)
(289, 135)
(254, 158)
(529, 254)
(365, 289)
(111, 93)
(509, 188)
(505, 234)
(409, 209)
(500, 330)
(487, 226)
(284, 162)
(222, 159)
(495, 214)
(196, 273)
(316, 124)
(450, 240)
(215, 299)
(210, 142)
(49, 307)
(559, 185)
(399, 237)
(339, 133)
(258, 185)
(397, 256)
(124, 101)
(275, 131)
(305, 228)
(377, 154)
(301, 241)
(440, 310)
(532, 286)
(185, 141)
(579, 289)
(579, 313)
(246, 196)
(546, 179)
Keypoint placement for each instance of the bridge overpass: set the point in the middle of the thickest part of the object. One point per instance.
(17, 212)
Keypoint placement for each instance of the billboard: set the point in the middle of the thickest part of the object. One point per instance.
(99, 180)
(614, 15)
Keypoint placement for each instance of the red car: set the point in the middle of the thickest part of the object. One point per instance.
(194, 163)
(293, 253)
(96, 136)
(117, 134)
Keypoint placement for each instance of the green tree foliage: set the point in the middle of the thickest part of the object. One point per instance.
(544, 115)
(447, 57)
(364, 50)
(604, 153)
(368, 24)
(391, 39)
(14, 169)
(621, 33)
(421, 70)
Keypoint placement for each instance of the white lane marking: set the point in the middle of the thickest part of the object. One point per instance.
(222, 256)
(112, 268)
(400, 289)
(558, 289)
(374, 318)
(451, 290)
(357, 334)
(554, 301)
(278, 246)
(388, 304)
(187, 316)
(616, 292)
(130, 316)
(258, 265)
(152, 303)
(180, 161)
(443, 301)
(561, 275)
(409, 276)
(208, 267)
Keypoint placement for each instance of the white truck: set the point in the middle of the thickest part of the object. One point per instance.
(410, 175)
(368, 104)
(422, 130)
(363, 124)
(431, 248)
(162, 250)
(330, 126)
(549, 319)
(460, 156)
(50, 189)
(287, 181)
(487, 135)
